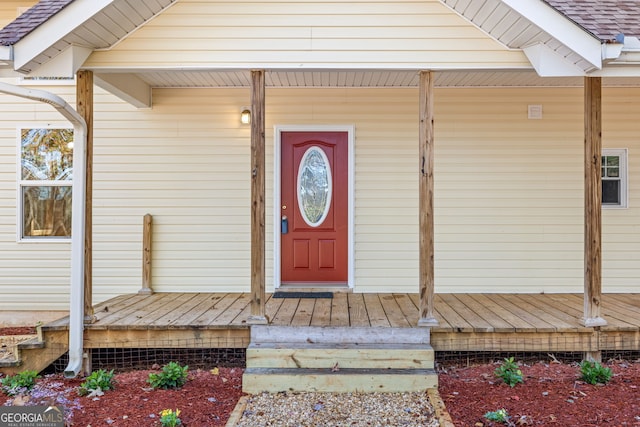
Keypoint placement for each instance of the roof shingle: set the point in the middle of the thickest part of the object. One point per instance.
(603, 18)
(30, 20)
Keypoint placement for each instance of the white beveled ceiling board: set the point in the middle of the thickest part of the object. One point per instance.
(364, 78)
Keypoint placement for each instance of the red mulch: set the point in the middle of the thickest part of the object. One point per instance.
(551, 394)
(205, 400)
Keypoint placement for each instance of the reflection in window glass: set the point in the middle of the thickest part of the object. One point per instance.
(46, 172)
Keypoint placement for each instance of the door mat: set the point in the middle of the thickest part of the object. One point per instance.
(303, 295)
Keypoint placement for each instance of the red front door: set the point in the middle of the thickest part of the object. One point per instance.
(314, 207)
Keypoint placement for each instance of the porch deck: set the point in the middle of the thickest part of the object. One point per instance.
(468, 322)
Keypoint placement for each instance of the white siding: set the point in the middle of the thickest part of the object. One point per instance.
(309, 34)
(509, 215)
(33, 276)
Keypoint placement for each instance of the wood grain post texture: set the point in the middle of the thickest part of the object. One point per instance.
(592, 201)
(425, 164)
(84, 105)
(147, 233)
(258, 209)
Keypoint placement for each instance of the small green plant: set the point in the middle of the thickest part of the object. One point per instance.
(98, 381)
(170, 418)
(594, 373)
(500, 416)
(172, 376)
(509, 372)
(19, 383)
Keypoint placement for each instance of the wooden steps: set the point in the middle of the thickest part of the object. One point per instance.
(338, 359)
(35, 353)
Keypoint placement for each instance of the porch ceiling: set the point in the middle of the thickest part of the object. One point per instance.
(362, 78)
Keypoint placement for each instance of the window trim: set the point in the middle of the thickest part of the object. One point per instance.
(622, 153)
(20, 184)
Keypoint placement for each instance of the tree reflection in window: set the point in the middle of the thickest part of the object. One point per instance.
(46, 174)
(314, 186)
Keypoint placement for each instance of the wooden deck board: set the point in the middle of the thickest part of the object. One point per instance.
(339, 310)
(466, 311)
(490, 311)
(469, 322)
(408, 308)
(215, 311)
(377, 316)
(321, 312)
(452, 316)
(536, 322)
(227, 316)
(124, 318)
(286, 312)
(304, 312)
(357, 311)
(205, 303)
(393, 311)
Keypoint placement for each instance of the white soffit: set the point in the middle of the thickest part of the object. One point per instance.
(361, 78)
(92, 24)
(519, 24)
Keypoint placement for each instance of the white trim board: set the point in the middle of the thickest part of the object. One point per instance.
(278, 129)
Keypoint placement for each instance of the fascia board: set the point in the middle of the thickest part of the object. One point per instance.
(6, 53)
(559, 27)
(548, 63)
(53, 30)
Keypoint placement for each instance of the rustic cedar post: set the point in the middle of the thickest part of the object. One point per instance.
(146, 255)
(425, 164)
(84, 101)
(592, 202)
(257, 199)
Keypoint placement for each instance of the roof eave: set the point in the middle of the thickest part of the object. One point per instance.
(54, 29)
(6, 54)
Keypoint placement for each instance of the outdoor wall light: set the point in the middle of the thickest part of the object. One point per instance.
(245, 116)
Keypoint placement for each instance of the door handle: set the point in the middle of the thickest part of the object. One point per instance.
(284, 226)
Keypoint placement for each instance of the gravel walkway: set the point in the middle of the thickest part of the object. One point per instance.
(333, 409)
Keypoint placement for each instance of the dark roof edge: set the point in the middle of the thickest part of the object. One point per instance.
(30, 20)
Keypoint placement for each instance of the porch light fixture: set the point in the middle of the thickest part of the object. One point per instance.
(245, 116)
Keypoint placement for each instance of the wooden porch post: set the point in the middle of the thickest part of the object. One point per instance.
(426, 269)
(84, 105)
(257, 199)
(592, 202)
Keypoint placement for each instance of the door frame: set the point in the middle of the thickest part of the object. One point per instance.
(277, 172)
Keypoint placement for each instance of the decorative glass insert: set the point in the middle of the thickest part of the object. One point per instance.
(314, 186)
(46, 174)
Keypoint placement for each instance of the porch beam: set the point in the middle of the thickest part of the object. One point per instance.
(257, 198)
(592, 202)
(425, 165)
(84, 101)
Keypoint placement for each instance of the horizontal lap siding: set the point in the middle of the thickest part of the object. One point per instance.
(33, 276)
(186, 163)
(508, 208)
(311, 34)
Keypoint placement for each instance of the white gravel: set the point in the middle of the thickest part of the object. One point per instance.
(289, 409)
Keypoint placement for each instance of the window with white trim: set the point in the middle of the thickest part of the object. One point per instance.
(614, 178)
(45, 183)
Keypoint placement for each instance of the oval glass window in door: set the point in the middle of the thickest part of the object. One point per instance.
(314, 186)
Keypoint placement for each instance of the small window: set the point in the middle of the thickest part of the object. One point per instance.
(45, 183)
(614, 178)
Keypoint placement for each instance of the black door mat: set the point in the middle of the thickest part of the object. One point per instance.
(303, 295)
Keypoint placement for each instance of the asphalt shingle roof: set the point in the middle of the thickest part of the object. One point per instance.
(30, 20)
(603, 18)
